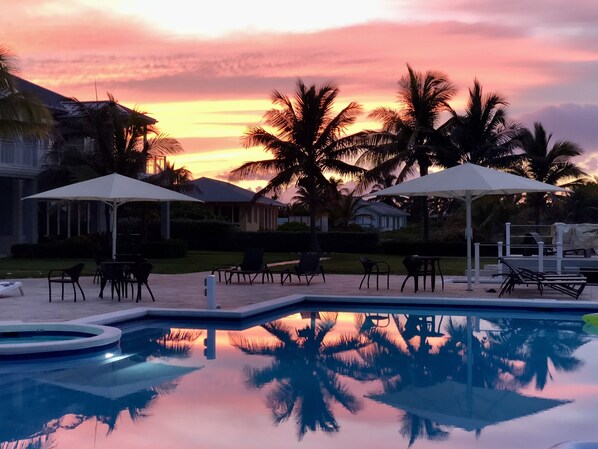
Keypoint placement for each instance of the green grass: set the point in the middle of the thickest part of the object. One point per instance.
(340, 263)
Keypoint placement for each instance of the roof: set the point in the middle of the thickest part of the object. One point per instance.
(64, 105)
(215, 191)
(51, 99)
(378, 208)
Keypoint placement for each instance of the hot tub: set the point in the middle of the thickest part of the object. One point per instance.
(25, 340)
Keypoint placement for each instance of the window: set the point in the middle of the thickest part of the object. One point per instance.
(7, 151)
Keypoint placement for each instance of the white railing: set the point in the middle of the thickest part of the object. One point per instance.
(505, 248)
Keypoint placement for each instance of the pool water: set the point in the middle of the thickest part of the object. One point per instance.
(380, 379)
(11, 338)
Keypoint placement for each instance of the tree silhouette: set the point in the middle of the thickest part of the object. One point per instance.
(308, 142)
(303, 376)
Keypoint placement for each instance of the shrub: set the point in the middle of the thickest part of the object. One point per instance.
(75, 247)
(293, 226)
(165, 249)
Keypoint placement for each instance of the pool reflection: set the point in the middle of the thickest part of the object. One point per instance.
(40, 403)
(316, 373)
(440, 377)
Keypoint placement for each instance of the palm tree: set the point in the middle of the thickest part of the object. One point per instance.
(409, 141)
(582, 204)
(552, 165)
(22, 115)
(309, 141)
(118, 141)
(482, 135)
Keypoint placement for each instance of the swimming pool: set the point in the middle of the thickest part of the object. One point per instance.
(379, 378)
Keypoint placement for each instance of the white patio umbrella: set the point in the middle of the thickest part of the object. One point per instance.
(467, 183)
(113, 190)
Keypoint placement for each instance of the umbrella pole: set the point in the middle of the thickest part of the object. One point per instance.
(468, 237)
(114, 211)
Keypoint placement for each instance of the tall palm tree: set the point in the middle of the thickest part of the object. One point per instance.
(552, 165)
(482, 135)
(409, 141)
(308, 142)
(22, 114)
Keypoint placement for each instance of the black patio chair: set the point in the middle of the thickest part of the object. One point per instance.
(374, 268)
(413, 265)
(64, 276)
(139, 275)
(250, 268)
(308, 266)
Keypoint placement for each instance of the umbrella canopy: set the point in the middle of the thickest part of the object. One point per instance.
(468, 182)
(470, 408)
(113, 190)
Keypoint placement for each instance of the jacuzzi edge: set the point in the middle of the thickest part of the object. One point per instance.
(101, 336)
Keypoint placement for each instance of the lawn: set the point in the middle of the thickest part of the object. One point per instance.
(344, 263)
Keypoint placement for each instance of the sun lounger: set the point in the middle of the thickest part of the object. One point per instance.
(568, 284)
(8, 287)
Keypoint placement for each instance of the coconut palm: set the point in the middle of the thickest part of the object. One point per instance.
(308, 142)
(582, 204)
(22, 114)
(482, 135)
(116, 140)
(409, 142)
(552, 165)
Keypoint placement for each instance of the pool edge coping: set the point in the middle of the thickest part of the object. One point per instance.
(277, 304)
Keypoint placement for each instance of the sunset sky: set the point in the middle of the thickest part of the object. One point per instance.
(205, 70)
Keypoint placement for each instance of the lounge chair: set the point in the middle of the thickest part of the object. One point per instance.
(569, 284)
(308, 266)
(374, 268)
(64, 276)
(251, 266)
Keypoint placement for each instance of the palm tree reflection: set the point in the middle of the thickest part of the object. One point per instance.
(538, 344)
(304, 373)
(61, 402)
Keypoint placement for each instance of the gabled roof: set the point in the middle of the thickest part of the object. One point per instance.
(51, 99)
(59, 104)
(215, 191)
(378, 208)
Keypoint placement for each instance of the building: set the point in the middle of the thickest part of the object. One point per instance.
(20, 164)
(237, 205)
(380, 216)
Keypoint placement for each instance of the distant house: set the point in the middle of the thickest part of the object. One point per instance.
(380, 216)
(236, 204)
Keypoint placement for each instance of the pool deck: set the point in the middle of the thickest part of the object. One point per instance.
(186, 291)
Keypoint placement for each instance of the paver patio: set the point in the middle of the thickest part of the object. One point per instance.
(186, 291)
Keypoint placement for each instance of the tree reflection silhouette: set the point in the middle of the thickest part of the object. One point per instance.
(304, 373)
(540, 344)
(33, 409)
